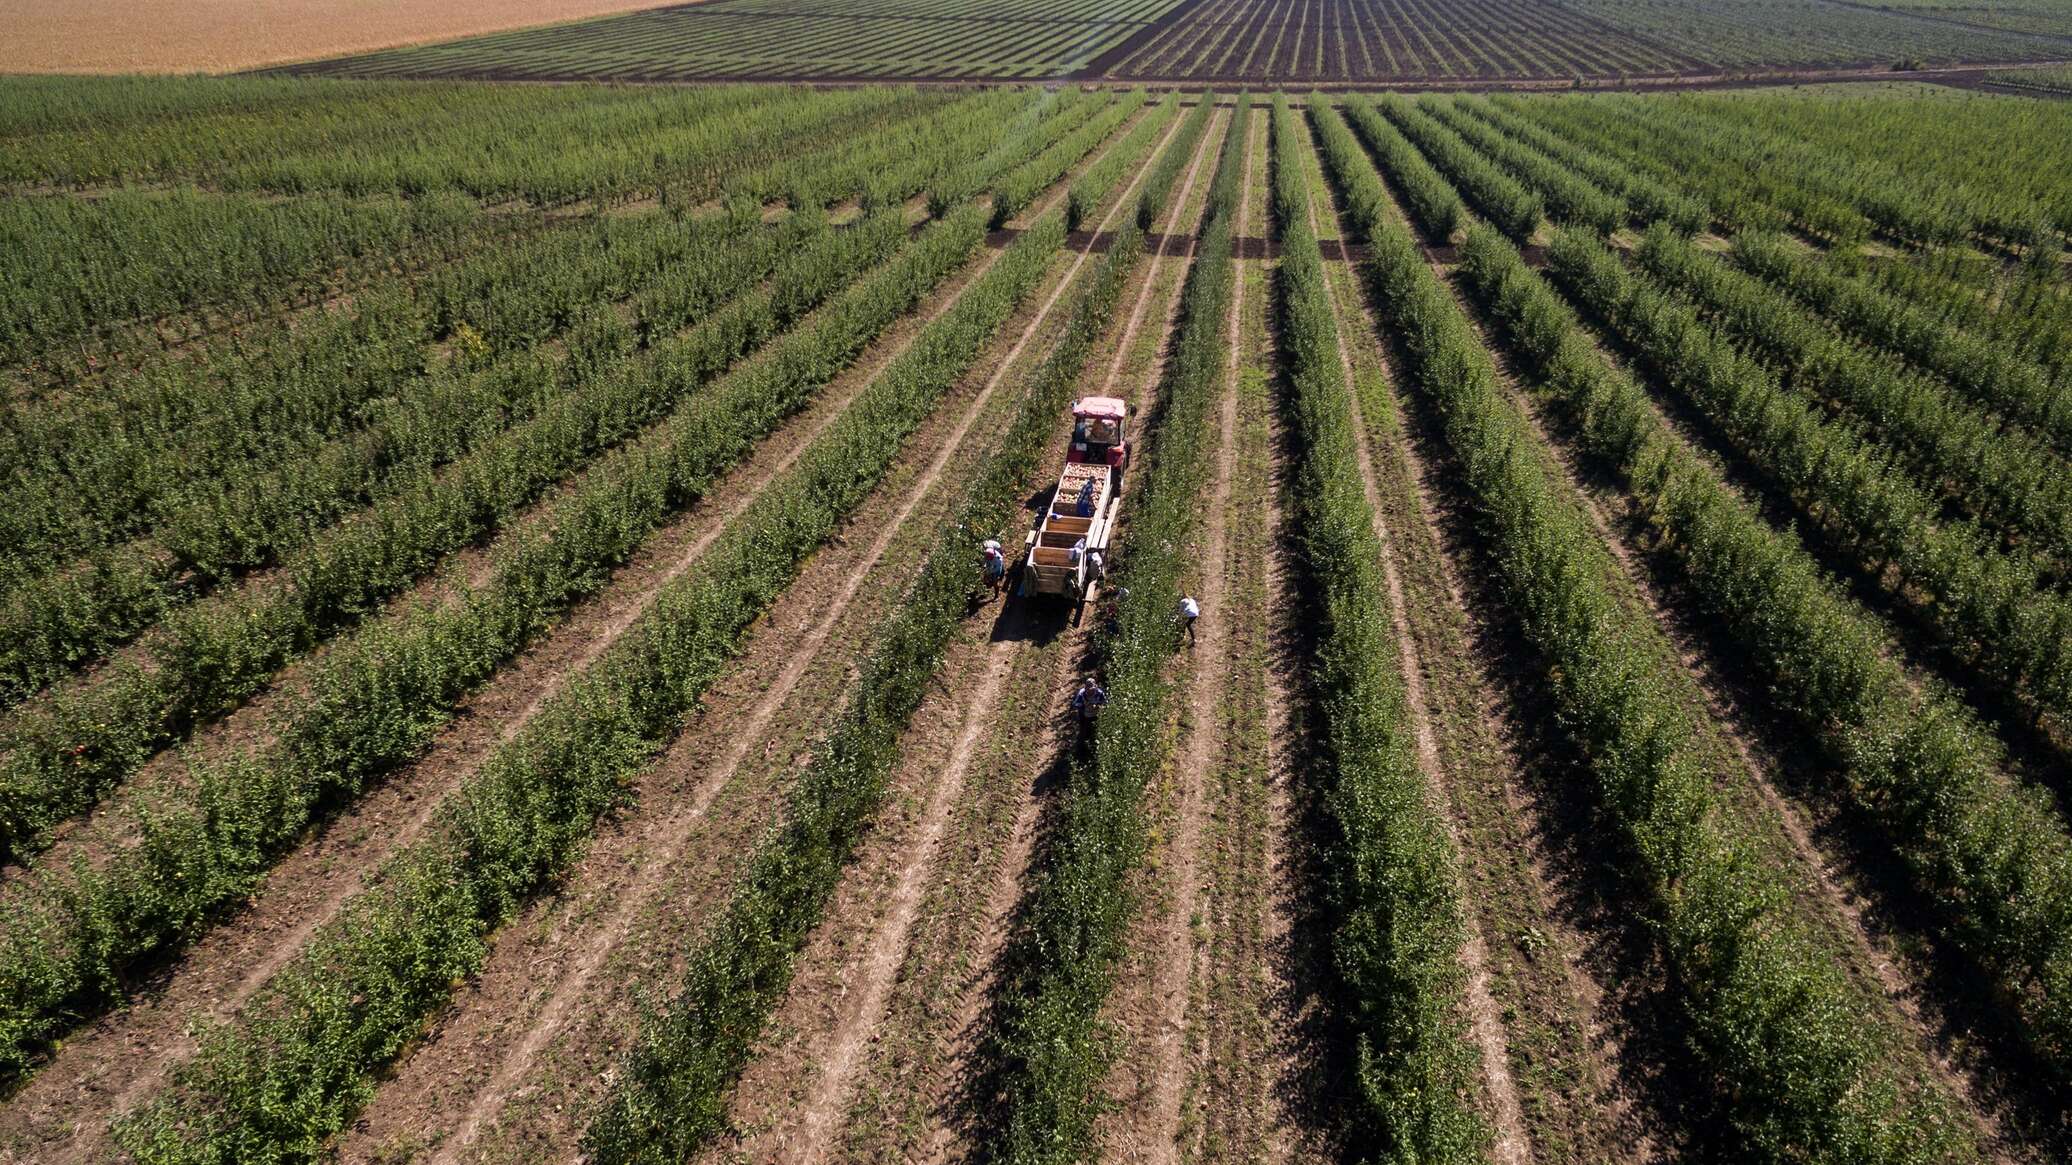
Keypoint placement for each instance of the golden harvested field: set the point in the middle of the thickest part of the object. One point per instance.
(183, 36)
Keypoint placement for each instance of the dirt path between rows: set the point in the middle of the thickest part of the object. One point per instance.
(853, 975)
(666, 838)
(1512, 1146)
(108, 826)
(116, 1064)
(1159, 1018)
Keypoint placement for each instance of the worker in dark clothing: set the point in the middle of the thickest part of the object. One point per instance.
(1087, 703)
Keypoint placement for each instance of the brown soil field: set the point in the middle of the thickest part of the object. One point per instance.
(207, 36)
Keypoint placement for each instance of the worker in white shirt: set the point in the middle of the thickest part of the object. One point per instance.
(1189, 612)
(996, 564)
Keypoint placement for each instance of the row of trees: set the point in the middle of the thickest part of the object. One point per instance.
(214, 654)
(211, 656)
(1991, 606)
(1020, 186)
(202, 839)
(1989, 373)
(1993, 856)
(170, 505)
(1993, 859)
(1650, 199)
(2005, 477)
(1798, 1057)
(1569, 197)
(1062, 961)
(1398, 924)
(80, 268)
(1499, 197)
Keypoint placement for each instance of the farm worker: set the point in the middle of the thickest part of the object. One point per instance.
(1095, 568)
(1088, 701)
(996, 564)
(1085, 507)
(1078, 551)
(1111, 611)
(1189, 612)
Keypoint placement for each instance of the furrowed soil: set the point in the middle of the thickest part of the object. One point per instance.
(1268, 999)
(1746, 781)
(90, 835)
(1485, 1022)
(108, 36)
(1149, 1005)
(1854, 887)
(1155, 1086)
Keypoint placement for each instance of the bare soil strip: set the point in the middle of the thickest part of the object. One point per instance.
(662, 838)
(1105, 64)
(1156, 1026)
(113, 1065)
(907, 1093)
(1870, 944)
(1228, 1051)
(1134, 372)
(1512, 1146)
(792, 1099)
(1748, 784)
(107, 36)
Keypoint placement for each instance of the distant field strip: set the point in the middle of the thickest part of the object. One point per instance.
(1368, 39)
(1205, 41)
(786, 38)
(1749, 33)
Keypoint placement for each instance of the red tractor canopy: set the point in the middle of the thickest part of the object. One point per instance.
(1097, 431)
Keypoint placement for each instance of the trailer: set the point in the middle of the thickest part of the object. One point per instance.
(1079, 519)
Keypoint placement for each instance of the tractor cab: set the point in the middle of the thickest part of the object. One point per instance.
(1097, 436)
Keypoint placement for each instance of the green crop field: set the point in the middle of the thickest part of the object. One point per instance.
(1569, 658)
